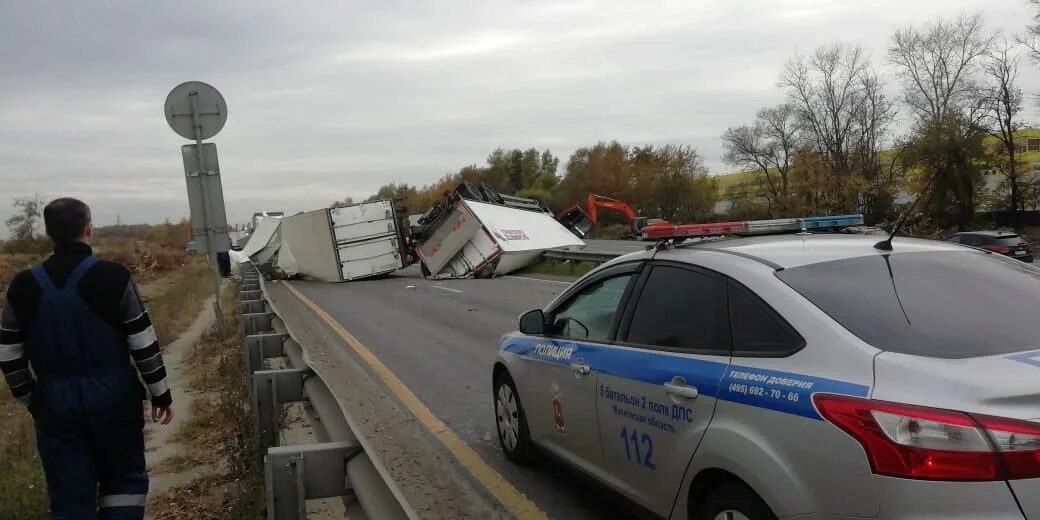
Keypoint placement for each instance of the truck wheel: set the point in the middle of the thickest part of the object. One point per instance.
(734, 501)
(513, 435)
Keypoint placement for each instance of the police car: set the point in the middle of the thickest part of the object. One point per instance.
(810, 376)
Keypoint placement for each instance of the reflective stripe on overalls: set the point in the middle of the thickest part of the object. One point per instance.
(86, 406)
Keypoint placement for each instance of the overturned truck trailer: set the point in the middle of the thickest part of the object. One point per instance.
(470, 238)
(342, 244)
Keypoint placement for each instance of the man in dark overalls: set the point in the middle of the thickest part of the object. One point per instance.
(72, 332)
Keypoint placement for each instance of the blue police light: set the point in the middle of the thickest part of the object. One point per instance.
(832, 221)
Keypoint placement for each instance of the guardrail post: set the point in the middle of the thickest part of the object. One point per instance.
(251, 306)
(295, 474)
(251, 295)
(262, 346)
(257, 323)
(272, 389)
(249, 273)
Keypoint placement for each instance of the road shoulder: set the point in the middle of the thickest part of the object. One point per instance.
(433, 484)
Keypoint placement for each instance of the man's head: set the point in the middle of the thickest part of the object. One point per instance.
(68, 220)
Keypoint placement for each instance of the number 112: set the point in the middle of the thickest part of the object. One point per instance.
(632, 442)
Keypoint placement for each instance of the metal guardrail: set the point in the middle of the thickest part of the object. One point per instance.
(579, 255)
(340, 465)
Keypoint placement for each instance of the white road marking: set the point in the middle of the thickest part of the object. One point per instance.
(447, 289)
(537, 279)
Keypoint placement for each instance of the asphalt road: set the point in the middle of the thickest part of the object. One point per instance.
(441, 338)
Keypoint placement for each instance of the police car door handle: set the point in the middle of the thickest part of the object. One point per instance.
(681, 390)
(581, 369)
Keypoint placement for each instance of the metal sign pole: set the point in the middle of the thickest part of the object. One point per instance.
(211, 241)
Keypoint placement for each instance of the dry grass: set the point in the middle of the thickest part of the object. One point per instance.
(221, 433)
(11, 264)
(173, 300)
(23, 491)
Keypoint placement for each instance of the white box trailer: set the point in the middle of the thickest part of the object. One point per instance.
(478, 239)
(342, 244)
(263, 233)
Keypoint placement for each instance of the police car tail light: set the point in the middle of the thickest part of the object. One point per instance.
(915, 442)
(1018, 443)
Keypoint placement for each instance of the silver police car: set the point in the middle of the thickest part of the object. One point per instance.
(805, 376)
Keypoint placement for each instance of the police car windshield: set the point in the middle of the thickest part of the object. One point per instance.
(937, 304)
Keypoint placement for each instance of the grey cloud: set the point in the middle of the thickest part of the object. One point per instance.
(337, 98)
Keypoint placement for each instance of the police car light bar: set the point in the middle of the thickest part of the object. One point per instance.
(658, 232)
(832, 222)
(750, 227)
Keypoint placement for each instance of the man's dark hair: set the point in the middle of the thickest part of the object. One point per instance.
(66, 219)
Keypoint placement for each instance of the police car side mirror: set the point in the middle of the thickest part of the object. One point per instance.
(533, 322)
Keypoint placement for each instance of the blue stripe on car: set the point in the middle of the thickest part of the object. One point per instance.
(785, 392)
(1029, 358)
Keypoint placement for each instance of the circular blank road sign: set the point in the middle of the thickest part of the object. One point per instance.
(212, 110)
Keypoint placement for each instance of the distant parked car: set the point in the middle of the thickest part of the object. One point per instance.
(191, 248)
(1003, 242)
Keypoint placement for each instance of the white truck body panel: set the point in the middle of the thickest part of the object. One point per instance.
(518, 230)
(262, 234)
(474, 256)
(312, 253)
(269, 251)
(364, 221)
(373, 257)
(476, 233)
(342, 244)
(509, 262)
(453, 233)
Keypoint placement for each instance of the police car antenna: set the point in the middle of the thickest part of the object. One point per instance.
(886, 244)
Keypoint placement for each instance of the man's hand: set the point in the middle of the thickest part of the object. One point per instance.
(162, 416)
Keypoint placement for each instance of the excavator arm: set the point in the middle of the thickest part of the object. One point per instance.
(593, 202)
(581, 220)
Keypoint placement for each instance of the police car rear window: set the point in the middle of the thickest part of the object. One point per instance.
(936, 304)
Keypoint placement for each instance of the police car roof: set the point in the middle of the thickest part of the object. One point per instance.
(984, 233)
(785, 251)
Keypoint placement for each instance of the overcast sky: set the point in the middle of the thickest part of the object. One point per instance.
(334, 100)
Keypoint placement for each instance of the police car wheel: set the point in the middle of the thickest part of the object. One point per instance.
(733, 501)
(513, 434)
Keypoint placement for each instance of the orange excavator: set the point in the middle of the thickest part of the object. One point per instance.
(581, 221)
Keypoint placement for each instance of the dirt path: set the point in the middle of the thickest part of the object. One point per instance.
(159, 445)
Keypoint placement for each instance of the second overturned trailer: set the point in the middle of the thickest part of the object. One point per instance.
(476, 232)
(343, 243)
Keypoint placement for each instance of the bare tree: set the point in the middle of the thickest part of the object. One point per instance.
(874, 116)
(28, 212)
(824, 88)
(766, 147)
(1001, 100)
(842, 112)
(938, 63)
(1032, 37)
